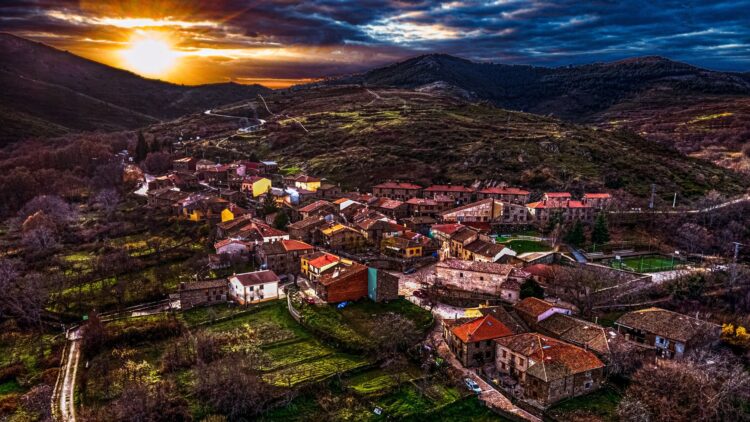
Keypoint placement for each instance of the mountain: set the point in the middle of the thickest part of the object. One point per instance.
(46, 91)
(358, 137)
(691, 108)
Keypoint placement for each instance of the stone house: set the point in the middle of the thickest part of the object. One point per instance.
(346, 281)
(185, 164)
(305, 230)
(397, 190)
(484, 211)
(547, 370)
(673, 334)
(597, 200)
(283, 257)
(472, 341)
(507, 194)
(342, 238)
(459, 194)
(499, 280)
(533, 310)
(203, 293)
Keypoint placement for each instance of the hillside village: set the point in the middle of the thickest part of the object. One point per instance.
(528, 345)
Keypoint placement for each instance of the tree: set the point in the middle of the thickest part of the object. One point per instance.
(107, 200)
(576, 236)
(704, 386)
(142, 402)
(600, 232)
(93, 335)
(393, 333)
(531, 288)
(141, 148)
(158, 162)
(155, 145)
(269, 204)
(281, 220)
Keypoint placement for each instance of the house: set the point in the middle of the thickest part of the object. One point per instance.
(566, 210)
(231, 227)
(382, 286)
(259, 232)
(533, 310)
(483, 211)
(304, 230)
(673, 334)
(485, 251)
(472, 341)
(576, 331)
(397, 190)
(185, 164)
(459, 239)
(499, 280)
(269, 167)
(203, 164)
(557, 196)
(345, 281)
(202, 293)
(283, 257)
(254, 287)
(307, 183)
(232, 211)
(419, 224)
(231, 195)
(314, 264)
(427, 206)
(377, 230)
(216, 174)
(547, 370)
(165, 198)
(328, 191)
(342, 238)
(392, 208)
(200, 207)
(255, 185)
(597, 200)
(319, 207)
(401, 247)
(504, 194)
(233, 247)
(541, 273)
(459, 194)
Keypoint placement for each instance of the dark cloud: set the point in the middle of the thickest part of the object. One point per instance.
(349, 36)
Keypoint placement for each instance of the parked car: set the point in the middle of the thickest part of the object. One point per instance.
(410, 271)
(472, 385)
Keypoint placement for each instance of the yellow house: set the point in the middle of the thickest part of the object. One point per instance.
(231, 212)
(313, 264)
(402, 247)
(307, 183)
(257, 185)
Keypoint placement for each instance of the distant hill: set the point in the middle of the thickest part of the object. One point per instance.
(359, 137)
(45, 91)
(691, 108)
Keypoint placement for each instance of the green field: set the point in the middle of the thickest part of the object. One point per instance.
(599, 405)
(646, 263)
(524, 246)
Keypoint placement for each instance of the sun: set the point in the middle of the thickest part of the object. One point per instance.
(150, 54)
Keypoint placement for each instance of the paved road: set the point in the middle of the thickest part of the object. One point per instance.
(744, 198)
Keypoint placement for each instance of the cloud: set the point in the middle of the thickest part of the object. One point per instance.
(238, 38)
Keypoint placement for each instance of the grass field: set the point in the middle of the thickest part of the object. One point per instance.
(646, 263)
(377, 381)
(524, 246)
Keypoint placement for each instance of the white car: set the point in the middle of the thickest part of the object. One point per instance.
(472, 385)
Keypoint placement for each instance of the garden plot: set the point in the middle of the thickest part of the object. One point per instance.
(315, 370)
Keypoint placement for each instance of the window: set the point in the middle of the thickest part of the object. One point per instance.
(520, 361)
(587, 385)
(461, 275)
(481, 278)
(504, 354)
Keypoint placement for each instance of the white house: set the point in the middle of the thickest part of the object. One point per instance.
(254, 287)
(533, 310)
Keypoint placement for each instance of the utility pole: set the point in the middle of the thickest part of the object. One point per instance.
(653, 194)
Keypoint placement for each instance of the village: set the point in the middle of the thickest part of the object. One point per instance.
(511, 298)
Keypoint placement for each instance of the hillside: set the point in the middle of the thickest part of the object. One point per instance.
(653, 96)
(48, 92)
(359, 137)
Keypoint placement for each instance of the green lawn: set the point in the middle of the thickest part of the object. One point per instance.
(295, 352)
(646, 263)
(272, 324)
(468, 409)
(377, 381)
(404, 402)
(599, 405)
(316, 369)
(524, 246)
(8, 387)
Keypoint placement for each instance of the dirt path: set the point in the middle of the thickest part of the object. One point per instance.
(70, 371)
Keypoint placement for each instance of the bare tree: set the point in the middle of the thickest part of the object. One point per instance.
(107, 200)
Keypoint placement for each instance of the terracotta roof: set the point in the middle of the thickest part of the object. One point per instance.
(307, 222)
(557, 194)
(473, 205)
(319, 204)
(664, 323)
(533, 306)
(397, 185)
(225, 242)
(557, 204)
(295, 245)
(448, 229)
(387, 203)
(504, 191)
(550, 359)
(539, 270)
(597, 195)
(476, 266)
(255, 278)
(464, 234)
(422, 219)
(448, 188)
(576, 331)
(421, 201)
(480, 329)
(323, 260)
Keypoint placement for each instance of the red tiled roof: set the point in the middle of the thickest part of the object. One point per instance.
(314, 206)
(504, 191)
(533, 306)
(448, 229)
(539, 270)
(387, 203)
(295, 245)
(448, 188)
(597, 195)
(397, 185)
(557, 194)
(306, 179)
(422, 201)
(323, 260)
(225, 242)
(558, 204)
(480, 329)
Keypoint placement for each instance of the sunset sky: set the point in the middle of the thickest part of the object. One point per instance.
(278, 43)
